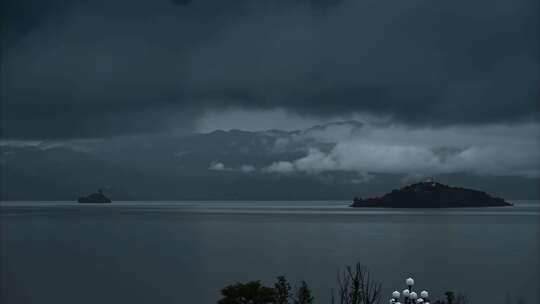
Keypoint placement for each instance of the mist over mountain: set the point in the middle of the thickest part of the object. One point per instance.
(327, 161)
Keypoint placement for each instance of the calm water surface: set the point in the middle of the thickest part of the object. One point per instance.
(184, 252)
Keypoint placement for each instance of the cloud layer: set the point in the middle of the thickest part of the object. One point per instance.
(102, 68)
(493, 150)
(329, 161)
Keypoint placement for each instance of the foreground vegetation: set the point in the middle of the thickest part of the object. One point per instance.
(354, 286)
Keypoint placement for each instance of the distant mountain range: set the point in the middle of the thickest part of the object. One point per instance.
(221, 165)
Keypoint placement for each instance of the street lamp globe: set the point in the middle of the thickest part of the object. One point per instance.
(424, 294)
(406, 293)
(395, 294)
(413, 295)
(409, 282)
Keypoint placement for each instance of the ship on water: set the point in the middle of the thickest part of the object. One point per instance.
(95, 198)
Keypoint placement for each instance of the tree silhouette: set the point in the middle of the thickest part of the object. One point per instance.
(355, 286)
(247, 293)
(452, 299)
(303, 295)
(449, 297)
(282, 290)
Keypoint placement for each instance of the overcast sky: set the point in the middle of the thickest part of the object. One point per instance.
(78, 70)
(106, 68)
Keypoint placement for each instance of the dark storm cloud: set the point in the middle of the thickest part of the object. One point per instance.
(96, 68)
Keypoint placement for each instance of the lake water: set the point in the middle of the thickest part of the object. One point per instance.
(184, 252)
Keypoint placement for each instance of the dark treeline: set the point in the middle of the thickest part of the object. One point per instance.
(354, 286)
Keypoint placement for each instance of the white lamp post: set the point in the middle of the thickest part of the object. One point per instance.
(410, 283)
(406, 294)
(409, 296)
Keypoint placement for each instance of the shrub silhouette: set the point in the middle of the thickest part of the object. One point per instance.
(451, 298)
(247, 293)
(255, 293)
(355, 286)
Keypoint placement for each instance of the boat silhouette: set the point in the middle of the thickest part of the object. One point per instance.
(95, 198)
